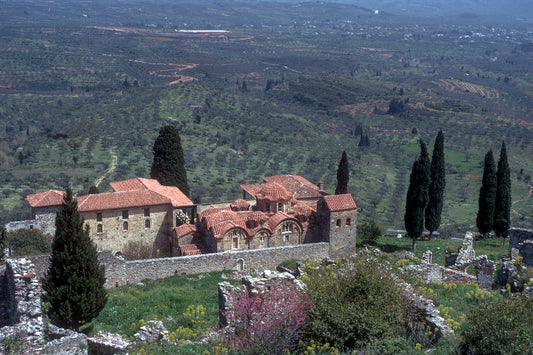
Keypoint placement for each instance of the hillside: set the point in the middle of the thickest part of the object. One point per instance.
(283, 92)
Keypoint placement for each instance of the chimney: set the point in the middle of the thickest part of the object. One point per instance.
(321, 186)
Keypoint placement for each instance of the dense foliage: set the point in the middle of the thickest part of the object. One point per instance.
(27, 242)
(169, 162)
(369, 231)
(487, 196)
(343, 175)
(436, 187)
(502, 206)
(500, 327)
(417, 195)
(74, 285)
(355, 302)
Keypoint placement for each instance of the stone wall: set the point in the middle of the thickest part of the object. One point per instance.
(146, 224)
(21, 294)
(258, 259)
(521, 244)
(437, 273)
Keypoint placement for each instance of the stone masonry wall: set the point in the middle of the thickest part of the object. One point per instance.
(113, 235)
(258, 259)
(521, 244)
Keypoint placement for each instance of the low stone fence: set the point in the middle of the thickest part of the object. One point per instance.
(437, 273)
(259, 259)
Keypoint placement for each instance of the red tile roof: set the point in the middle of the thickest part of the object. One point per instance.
(299, 187)
(173, 193)
(183, 230)
(121, 199)
(220, 220)
(273, 192)
(277, 219)
(193, 249)
(46, 198)
(340, 202)
(240, 205)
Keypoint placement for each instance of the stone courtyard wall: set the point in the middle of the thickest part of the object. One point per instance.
(259, 259)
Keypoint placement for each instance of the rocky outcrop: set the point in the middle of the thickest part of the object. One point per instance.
(107, 344)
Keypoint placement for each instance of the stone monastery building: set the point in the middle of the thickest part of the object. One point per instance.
(281, 211)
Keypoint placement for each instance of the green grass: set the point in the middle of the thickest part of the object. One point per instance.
(493, 248)
(164, 299)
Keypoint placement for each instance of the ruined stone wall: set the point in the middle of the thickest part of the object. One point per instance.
(436, 273)
(521, 244)
(45, 219)
(115, 237)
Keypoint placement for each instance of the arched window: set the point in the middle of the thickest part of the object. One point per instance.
(125, 226)
(348, 222)
(280, 207)
(235, 242)
(99, 228)
(338, 223)
(147, 224)
(286, 228)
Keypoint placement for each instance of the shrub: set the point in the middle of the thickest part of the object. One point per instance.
(501, 327)
(137, 249)
(369, 231)
(354, 303)
(268, 322)
(27, 242)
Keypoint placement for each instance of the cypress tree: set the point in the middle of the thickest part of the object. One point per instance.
(436, 187)
(487, 196)
(417, 195)
(502, 208)
(169, 162)
(74, 284)
(343, 175)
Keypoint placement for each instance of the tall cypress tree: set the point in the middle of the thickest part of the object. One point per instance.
(502, 208)
(343, 175)
(436, 187)
(417, 195)
(74, 284)
(487, 196)
(169, 162)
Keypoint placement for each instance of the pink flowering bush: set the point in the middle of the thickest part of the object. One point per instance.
(269, 322)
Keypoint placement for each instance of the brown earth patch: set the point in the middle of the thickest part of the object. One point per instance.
(9, 81)
(458, 85)
(366, 107)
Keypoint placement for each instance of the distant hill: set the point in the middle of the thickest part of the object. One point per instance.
(506, 9)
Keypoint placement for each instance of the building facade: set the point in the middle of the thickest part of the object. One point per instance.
(281, 211)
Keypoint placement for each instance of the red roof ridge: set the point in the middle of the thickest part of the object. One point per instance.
(46, 198)
(340, 202)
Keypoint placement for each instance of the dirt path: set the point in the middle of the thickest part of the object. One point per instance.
(112, 166)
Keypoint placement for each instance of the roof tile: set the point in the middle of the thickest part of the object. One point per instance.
(46, 198)
(340, 202)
